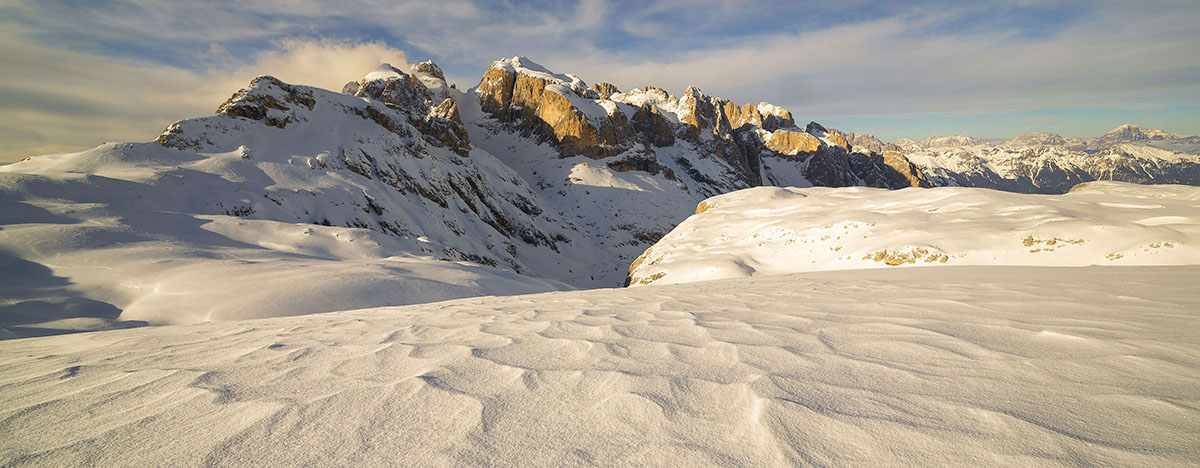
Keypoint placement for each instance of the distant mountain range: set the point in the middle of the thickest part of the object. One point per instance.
(1049, 163)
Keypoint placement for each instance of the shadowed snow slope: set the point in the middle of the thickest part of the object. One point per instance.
(956, 366)
(771, 230)
(290, 200)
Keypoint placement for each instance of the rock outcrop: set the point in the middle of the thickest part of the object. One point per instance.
(792, 143)
(555, 108)
(601, 122)
(605, 89)
(406, 93)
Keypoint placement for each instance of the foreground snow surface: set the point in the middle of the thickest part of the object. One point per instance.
(953, 366)
(773, 230)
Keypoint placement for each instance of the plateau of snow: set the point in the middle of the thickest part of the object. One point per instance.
(772, 230)
(953, 366)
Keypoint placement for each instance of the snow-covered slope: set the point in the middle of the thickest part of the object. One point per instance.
(290, 200)
(772, 230)
(532, 174)
(957, 366)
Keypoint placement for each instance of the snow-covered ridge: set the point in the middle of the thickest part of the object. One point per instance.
(528, 67)
(771, 230)
(290, 200)
(384, 71)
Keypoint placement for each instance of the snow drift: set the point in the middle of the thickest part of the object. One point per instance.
(771, 230)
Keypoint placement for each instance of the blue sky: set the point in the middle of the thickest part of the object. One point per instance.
(78, 73)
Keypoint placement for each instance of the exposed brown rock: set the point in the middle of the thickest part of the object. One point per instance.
(838, 140)
(527, 102)
(404, 93)
(738, 116)
(700, 114)
(653, 127)
(267, 93)
(495, 92)
(792, 143)
(605, 89)
(431, 68)
(448, 109)
(906, 169)
(658, 90)
(771, 122)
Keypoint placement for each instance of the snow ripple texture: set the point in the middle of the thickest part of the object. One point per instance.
(952, 366)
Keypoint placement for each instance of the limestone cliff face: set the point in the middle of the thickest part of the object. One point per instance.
(605, 89)
(699, 114)
(744, 114)
(840, 141)
(542, 105)
(601, 122)
(909, 172)
(838, 163)
(792, 143)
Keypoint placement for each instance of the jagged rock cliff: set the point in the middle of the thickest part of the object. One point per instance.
(599, 122)
(630, 165)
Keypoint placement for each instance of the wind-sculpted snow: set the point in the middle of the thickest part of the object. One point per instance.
(771, 230)
(965, 366)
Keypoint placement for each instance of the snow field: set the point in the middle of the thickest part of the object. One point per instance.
(772, 230)
(957, 366)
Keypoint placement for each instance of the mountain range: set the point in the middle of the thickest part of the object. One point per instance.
(529, 174)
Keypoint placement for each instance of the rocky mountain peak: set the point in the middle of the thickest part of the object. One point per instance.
(267, 99)
(422, 96)
(1134, 133)
(430, 68)
(1036, 139)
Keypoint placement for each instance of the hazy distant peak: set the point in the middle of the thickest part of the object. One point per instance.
(938, 141)
(1037, 139)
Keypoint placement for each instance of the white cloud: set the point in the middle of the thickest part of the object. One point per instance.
(58, 100)
(1116, 59)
